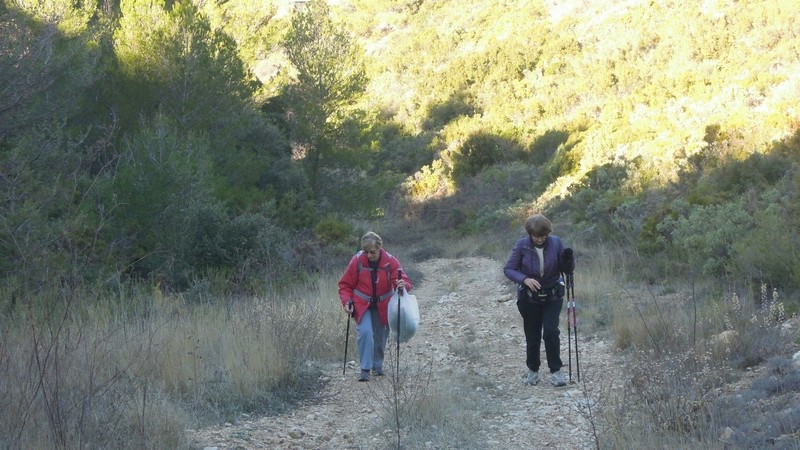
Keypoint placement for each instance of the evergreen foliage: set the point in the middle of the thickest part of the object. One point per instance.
(621, 117)
(329, 78)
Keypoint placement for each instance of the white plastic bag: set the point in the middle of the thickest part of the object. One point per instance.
(409, 315)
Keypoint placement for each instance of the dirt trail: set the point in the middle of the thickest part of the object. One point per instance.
(470, 330)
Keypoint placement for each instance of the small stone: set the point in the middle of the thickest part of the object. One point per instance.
(296, 433)
(727, 436)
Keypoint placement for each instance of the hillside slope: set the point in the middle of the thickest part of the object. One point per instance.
(647, 86)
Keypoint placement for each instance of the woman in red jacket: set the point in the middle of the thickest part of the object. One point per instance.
(365, 289)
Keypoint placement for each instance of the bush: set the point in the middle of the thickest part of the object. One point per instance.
(430, 182)
(545, 146)
(479, 151)
(704, 237)
(332, 230)
(248, 247)
(440, 115)
(771, 250)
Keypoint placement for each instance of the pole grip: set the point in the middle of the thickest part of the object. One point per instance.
(399, 277)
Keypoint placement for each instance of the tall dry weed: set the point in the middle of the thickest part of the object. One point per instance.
(416, 410)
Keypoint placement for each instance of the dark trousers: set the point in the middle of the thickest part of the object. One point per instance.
(540, 321)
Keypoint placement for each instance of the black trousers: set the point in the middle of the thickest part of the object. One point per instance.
(540, 321)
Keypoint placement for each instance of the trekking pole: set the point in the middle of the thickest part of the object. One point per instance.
(569, 326)
(575, 325)
(346, 340)
(399, 296)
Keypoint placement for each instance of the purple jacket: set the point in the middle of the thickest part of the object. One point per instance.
(524, 262)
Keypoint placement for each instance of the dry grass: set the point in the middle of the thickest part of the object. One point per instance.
(686, 345)
(137, 370)
(597, 270)
(418, 411)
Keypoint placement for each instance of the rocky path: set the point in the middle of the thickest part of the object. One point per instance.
(470, 333)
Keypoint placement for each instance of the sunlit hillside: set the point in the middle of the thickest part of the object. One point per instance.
(638, 120)
(633, 120)
(624, 79)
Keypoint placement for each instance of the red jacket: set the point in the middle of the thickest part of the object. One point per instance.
(356, 284)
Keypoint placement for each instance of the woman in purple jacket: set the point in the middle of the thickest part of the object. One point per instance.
(534, 265)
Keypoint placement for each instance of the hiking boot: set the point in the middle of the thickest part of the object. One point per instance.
(378, 372)
(364, 375)
(533, 378)
(557, 379)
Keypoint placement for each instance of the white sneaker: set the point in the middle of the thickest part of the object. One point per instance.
(533, 378)
(557, 379)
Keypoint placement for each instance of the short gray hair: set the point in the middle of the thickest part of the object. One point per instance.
(370, 240)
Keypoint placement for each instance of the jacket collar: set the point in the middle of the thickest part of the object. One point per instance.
(544, 244)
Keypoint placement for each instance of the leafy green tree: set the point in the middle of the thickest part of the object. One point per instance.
(172, 62)
(48, 67)
(168, 224)
(45, 71)
(330, 77)
(161, 173)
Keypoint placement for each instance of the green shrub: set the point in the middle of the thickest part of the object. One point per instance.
(479, 151)
(401, 150)
(441, 114)
(332, 230)
(704, 237)
(600, 182)
(505, 183)
(242, 249)
(545, 146)
(429, 182)
(565, 161)
(732, 178)
(770, 251)
(461, 219)
(650, 240)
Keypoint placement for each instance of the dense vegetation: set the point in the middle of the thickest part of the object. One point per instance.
(175, 142)
(224, 148)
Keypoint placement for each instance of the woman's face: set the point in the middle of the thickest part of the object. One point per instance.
(373, 253)
(539, 240)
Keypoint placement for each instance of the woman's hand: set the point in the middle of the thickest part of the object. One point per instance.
(348, 308)
(401, 283)
(532, 284)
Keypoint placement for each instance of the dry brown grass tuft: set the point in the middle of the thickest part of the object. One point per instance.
(685, 347)
(137, 370)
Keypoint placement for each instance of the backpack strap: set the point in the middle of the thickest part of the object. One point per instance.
(387, 268)
(369, 297)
